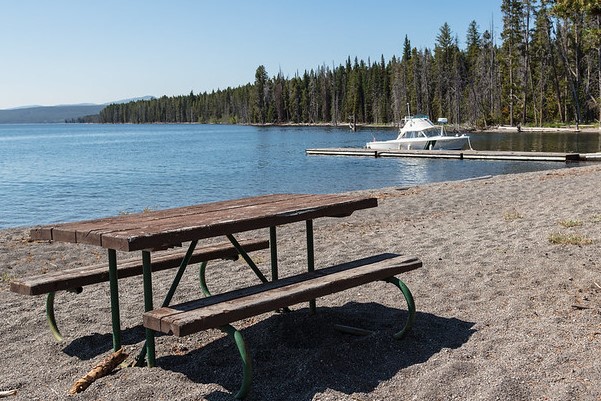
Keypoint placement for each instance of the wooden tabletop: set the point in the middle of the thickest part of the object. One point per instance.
(171, 227)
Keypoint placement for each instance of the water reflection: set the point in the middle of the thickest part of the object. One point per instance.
(581, 142)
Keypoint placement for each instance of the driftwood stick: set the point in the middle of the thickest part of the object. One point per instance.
(106, 366)
(7, 393)
(356, 331)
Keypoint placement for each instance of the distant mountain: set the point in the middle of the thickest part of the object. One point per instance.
(133, 99)
(55, 114)
(47, 114)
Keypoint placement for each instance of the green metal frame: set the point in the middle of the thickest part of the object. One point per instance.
(114, 287)
(247, 369)
(410, 318)
(237, 336)
(232, 332)
(50, 317)
(410, 306)
(247, 258)
(147, 273)
(311, 259)
(273, 248)
(180, 272)
(203, 282)
(148, 351)
(114, 291)
(274, 262)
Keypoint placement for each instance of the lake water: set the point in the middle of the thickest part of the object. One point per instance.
(65, 172)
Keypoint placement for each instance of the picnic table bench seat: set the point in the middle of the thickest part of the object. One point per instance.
(73, 279)
(220, 310)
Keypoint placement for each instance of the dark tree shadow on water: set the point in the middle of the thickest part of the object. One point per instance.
(296, 355)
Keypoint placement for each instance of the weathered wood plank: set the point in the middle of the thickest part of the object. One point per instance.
(218, 310)
(41, 233)
(217, 223)
(91, 231)
(161, 229)
(97, 273)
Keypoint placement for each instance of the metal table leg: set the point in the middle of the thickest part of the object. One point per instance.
(178, 276)
(273, 247)
(114, 287)
(147, 270)
(247, 258)
(310, 258)
(410, 306)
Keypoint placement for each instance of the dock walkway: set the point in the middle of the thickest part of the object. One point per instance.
(459, 154)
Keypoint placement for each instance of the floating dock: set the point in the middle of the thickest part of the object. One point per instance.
(459, 154)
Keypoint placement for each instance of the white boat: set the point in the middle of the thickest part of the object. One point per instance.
(419, 133)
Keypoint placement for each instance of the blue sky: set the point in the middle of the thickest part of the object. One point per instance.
(72, 51)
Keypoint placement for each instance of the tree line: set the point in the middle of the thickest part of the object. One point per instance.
(547, 69)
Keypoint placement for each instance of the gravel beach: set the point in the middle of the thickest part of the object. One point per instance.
(507, 300)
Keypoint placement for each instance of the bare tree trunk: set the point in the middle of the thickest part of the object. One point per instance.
(556, 86)
(599, 70)
(573, 76)
(527, 62)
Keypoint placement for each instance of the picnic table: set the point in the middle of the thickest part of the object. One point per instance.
(159, 230)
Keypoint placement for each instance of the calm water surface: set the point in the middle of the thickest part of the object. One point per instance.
(65, 172)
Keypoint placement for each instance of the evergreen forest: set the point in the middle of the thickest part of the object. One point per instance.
(546, 70)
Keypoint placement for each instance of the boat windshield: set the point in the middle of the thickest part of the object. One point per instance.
(434, 131)
(425, 133)
(414, 134)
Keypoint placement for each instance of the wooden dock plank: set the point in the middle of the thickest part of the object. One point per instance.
(426, 154)
(343, 152)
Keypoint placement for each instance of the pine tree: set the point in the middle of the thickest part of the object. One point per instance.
(260, 104)
(443, 56)
(548, 68)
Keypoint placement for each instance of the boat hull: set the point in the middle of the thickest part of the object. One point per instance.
(432, 143)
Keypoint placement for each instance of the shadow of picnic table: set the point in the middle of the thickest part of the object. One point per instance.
(296, 355)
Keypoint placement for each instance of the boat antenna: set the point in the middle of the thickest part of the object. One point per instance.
(408, 110)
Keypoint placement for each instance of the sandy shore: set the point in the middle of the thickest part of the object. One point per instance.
(503, 312)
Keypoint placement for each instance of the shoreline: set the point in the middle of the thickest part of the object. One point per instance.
(585, 128)
(451, 128)
(565, 129)
(503, 312)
